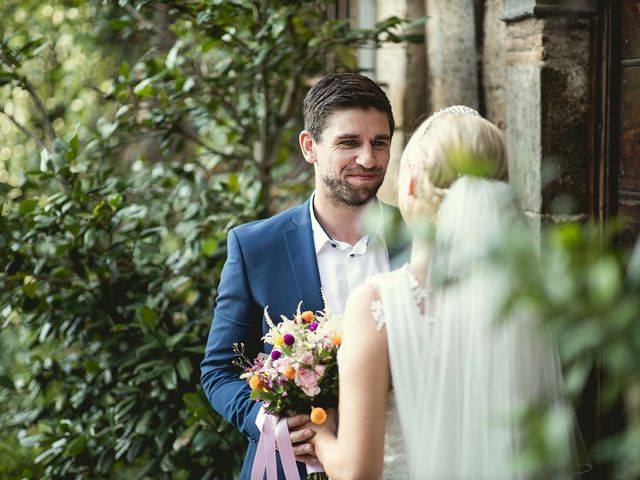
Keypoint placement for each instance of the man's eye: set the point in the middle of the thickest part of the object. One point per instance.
(348, 143)
(379, 144)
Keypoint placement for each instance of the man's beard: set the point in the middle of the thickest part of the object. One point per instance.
(344, 193)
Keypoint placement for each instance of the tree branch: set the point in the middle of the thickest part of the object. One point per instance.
(295, 172)
(26, 131)
(290, 101)
(196, 139)
(166, 34)
(48, 125)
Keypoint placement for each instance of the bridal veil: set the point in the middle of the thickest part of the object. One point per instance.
(460, 383)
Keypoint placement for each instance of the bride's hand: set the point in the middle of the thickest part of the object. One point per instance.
(328, 427)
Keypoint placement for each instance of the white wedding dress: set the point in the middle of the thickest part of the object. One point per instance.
(395, 459)
(458, 377)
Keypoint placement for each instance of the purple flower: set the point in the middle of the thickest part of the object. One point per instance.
(275, 354)
(313, 326)
(288, 339)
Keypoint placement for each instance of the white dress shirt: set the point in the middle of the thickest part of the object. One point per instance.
(343, 266)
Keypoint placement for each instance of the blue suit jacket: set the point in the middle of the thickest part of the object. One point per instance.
(271, 263)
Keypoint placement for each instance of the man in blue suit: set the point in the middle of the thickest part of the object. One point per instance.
(287, 258)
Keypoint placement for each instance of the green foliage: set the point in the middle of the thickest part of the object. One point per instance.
(232, 82)
(52, 61)
(586, 291)
(111, 280)
(138, 134)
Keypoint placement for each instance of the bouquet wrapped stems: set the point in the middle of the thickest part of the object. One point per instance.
(299, 374)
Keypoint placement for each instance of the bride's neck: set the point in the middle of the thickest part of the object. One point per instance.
(419, 261)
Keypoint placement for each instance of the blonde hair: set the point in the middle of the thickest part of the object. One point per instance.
(436, 143)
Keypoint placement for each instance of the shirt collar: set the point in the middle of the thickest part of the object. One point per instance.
(322, 238)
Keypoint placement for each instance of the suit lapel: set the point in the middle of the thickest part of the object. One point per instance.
(302, 257)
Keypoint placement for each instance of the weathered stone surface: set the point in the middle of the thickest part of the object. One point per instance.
(564, 109)
(452, 58)
(547, 104)
(524, 143)
(416, 99)
(391, 65)
(494, 71)
(392, 72)
(518, 9)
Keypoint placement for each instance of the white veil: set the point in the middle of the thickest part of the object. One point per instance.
(458, 389)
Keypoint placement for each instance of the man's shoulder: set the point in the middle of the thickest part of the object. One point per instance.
(267, 226)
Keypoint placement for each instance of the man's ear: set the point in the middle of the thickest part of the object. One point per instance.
(307, 144)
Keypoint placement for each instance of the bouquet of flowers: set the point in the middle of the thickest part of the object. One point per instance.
(301, 372)
(299, 375)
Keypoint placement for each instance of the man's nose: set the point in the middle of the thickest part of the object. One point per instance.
(366, 156)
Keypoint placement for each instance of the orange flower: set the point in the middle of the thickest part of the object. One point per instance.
(290, 373)
(318, 415)
(336, 340)
(255, 383)
(307, 316)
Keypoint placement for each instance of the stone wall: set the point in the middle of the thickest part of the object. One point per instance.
(547, 103)
(494, 69)
(451, 53)
(400, 68)
(535, 61)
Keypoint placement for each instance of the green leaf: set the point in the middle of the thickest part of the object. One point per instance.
(178, 286)
(198, 406)
(185, 368)
(184, 438)
(29, 286)
(142, 426)
(167, 464)
(209, 246)
(149, 317)
(135, 448)
(115, 200)
(604, 278)
(105, 461)
(76, 446)
(124, 70)
(144, 88)
(60, 145)
(173, 340)
(170, 379)
(27, 205)
(413, 37)
(92, 366)
(74, 143)
(234, 183)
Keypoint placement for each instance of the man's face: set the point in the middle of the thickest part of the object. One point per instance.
(351, 155)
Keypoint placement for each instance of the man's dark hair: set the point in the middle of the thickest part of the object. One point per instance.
(339, 91)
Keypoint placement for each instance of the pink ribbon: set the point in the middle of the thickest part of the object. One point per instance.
(274, 432)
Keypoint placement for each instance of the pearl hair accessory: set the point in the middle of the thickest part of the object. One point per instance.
(455, 109)
(458, 109)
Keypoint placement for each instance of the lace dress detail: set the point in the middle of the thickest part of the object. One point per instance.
(418, 292)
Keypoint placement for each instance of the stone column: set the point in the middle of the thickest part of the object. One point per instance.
(494, 71)
(451, 49)
(401, 69)
(547, 104)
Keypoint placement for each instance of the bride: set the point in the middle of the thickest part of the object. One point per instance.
(430, 381)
